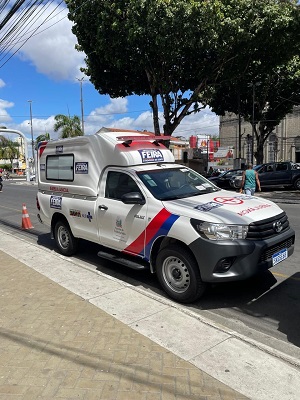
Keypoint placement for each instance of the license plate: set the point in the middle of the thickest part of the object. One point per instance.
(279, 256)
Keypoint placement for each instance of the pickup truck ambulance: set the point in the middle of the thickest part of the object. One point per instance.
(127, 194)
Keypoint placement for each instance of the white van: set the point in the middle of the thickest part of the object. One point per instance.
(127, 194)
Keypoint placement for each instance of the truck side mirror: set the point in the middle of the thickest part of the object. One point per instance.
(133, 198)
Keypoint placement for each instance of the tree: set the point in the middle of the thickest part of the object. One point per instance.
(9, 149)
(174, 50)
(69, 126)
(263, 102)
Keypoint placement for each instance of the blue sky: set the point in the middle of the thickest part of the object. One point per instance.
(46, 70)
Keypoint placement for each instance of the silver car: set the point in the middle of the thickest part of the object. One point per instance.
(236, 180)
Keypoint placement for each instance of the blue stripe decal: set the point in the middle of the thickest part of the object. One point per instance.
(163, 231)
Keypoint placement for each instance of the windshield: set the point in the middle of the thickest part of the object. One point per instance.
(176, 183)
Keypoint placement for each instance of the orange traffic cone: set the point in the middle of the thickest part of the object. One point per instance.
(26, 223)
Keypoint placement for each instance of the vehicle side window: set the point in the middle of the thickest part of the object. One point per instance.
(262, 169)
(118, 183)
(60, 167)
(282, 167)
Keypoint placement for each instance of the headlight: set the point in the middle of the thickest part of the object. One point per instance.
(214, 231)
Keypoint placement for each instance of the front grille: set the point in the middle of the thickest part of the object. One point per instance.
(265, 229)
(267, 254)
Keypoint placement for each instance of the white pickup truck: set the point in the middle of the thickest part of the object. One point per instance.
(127, 194)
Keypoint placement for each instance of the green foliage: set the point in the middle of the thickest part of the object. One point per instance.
(69, 126)
(9, 150)
(179, 51)
(5, 167)
(45, 137)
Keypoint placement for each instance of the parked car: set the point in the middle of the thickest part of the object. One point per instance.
(223, 180)
(279, 174)
(236, 181)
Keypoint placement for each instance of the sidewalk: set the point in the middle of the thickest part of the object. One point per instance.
(55, 345)
(68, 332)
(281, 196)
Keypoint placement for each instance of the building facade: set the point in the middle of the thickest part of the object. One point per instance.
(282, 145)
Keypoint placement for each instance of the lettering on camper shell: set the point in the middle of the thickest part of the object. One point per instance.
(81, 168)
(58, 189)
(151, 155)
(59, 149)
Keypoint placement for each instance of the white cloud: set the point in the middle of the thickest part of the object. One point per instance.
(106, 115)
(52, 50)
(4, 115)
(2, 83)
(205, 122)
(114, 107)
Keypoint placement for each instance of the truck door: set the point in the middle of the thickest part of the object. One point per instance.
(266, 175)
(282, 173)
(120, 224)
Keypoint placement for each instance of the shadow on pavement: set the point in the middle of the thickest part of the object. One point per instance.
(260, 298)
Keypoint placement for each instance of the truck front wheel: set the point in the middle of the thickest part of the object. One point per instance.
(65, 241)
(179, 274)
(297, 184)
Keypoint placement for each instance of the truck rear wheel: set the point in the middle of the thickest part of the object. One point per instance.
(65, 241)
(179, 274)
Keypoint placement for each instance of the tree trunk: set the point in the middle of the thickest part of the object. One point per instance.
(153, 105)
(261, 137)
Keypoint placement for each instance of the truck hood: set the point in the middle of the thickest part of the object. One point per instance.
(225, 207)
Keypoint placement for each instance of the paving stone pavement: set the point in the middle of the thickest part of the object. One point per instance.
(56, 345)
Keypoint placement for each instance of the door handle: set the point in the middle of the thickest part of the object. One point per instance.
(103, 207)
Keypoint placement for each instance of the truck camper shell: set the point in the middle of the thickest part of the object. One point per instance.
(78, 163)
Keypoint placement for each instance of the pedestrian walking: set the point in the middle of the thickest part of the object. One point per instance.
(249, 181)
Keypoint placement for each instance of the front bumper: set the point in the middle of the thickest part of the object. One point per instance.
(247, 257)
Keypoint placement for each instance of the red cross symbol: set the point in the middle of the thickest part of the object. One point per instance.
(228, 200)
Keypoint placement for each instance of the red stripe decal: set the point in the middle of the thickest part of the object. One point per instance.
(152, 228)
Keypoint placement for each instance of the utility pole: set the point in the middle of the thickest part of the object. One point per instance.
(240, 130)
(253, 118)
(81, 102)
(32, 141)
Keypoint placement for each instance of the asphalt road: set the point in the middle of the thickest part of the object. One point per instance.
(265, 308)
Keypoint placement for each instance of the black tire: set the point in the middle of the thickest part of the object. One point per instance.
(179, 274)
(297, 184)
(65, 241)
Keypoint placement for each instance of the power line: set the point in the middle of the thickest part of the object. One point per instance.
(19, 29)
(22, 25)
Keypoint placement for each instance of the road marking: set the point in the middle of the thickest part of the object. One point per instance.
(11, 209)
